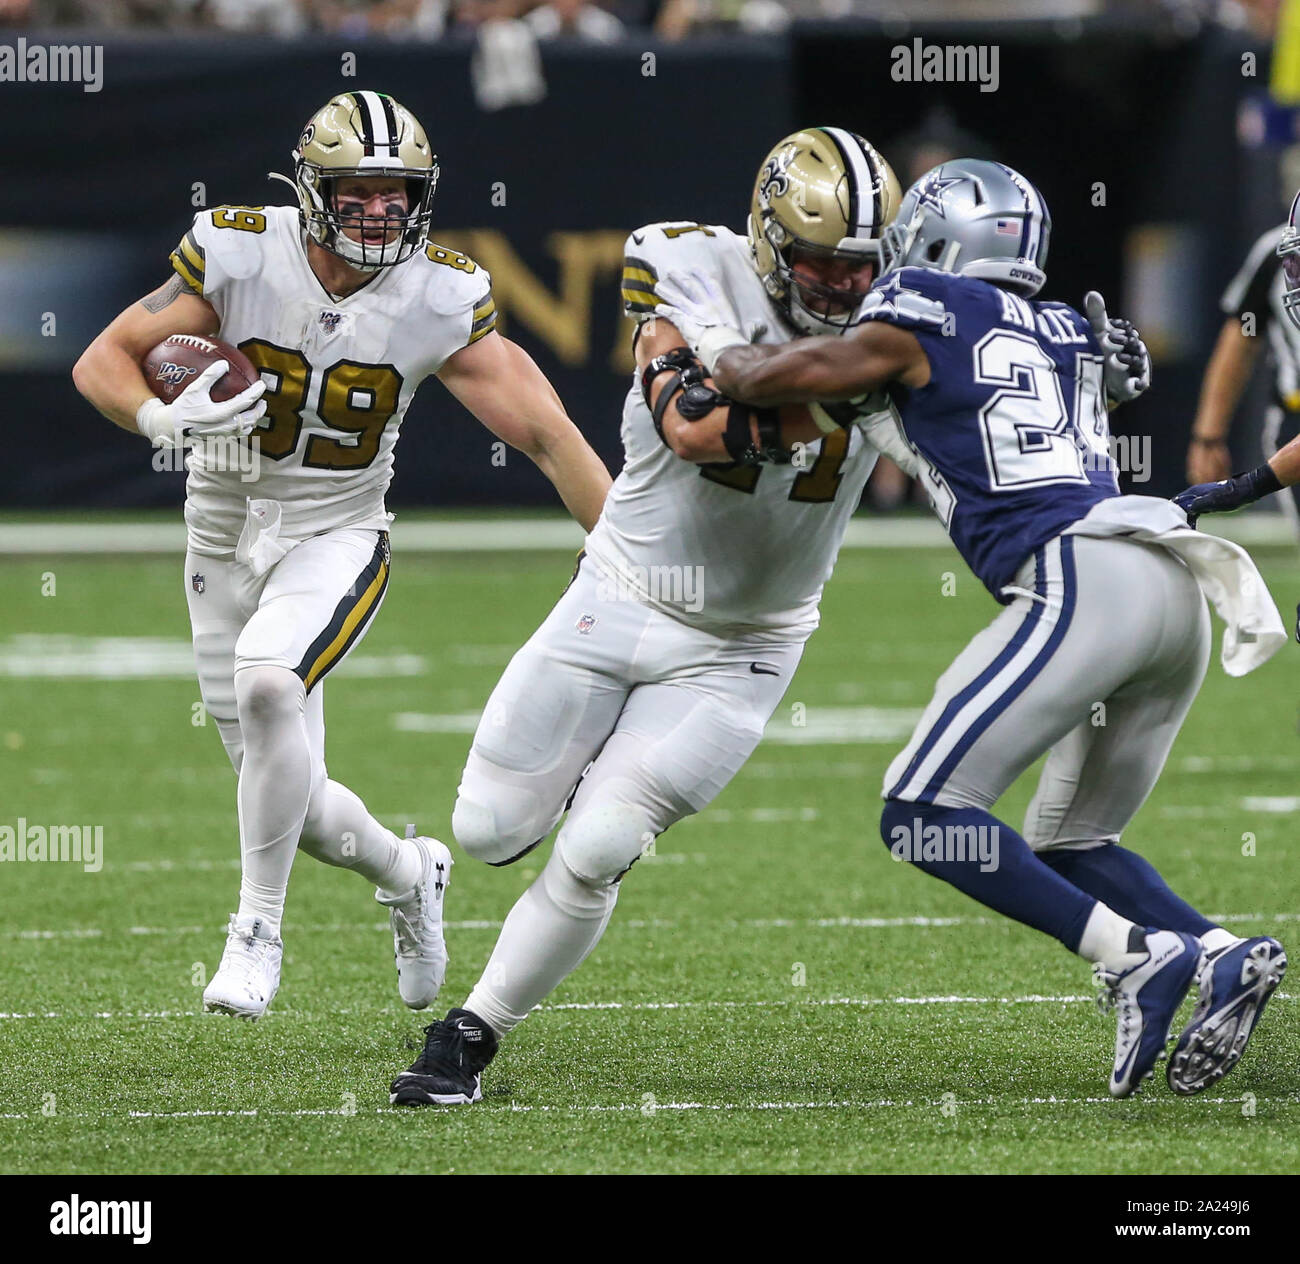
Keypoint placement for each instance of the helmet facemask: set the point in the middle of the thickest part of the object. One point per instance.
(899, 238)
(326, 222)
(816, 306)
(1288, 250)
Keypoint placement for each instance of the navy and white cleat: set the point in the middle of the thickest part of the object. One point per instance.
(1147, 997)
(1235, 985)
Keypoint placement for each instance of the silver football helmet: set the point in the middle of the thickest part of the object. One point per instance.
(1288, 250)
(980, 219)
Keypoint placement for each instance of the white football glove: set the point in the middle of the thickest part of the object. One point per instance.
(194, 409)
(704, 315)
(1127, 369)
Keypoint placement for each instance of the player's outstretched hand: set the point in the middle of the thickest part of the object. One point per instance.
(703, 315)
(194, 410)
(1227, 493)
(1127, 367)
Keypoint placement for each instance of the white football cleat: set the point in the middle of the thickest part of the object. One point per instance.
(249, 974)
(416, 919)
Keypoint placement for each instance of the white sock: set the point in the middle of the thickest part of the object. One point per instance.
(547, 935)
(1106, 939)
(1218, 938)
(274, 786)
(340, 831)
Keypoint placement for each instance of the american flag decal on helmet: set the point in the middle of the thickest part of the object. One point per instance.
(1008, 227)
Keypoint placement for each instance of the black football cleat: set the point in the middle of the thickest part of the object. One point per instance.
(449, 1067)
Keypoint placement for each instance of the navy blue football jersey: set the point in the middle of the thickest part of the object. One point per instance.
(1012, 429)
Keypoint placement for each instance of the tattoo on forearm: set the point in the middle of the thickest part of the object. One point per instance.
(164, 295)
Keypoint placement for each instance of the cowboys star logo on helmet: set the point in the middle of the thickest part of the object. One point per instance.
(930, 193)
(364, 134)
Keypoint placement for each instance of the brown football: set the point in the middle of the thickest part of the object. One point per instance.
(176, 361)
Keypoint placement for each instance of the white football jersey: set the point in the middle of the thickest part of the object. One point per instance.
(340, 371)
(737, 550)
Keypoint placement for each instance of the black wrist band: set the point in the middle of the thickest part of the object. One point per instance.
(737, 439)
(769, 436)
(1262, 481)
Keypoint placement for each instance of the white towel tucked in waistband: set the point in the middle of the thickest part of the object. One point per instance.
(260, 546)
(1225, 572)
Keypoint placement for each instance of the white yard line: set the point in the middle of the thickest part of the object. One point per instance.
(753, 923)
(850, 1002)
(484, 535)
(650, 1107)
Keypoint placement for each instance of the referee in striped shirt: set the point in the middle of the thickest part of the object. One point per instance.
(1252, 306)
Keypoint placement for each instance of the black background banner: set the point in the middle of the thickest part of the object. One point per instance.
(609, 148)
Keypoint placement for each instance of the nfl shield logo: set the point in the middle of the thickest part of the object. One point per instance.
(197, 582)
(586, 623)
(329, 321)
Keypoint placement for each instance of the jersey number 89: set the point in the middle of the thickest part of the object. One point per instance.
(357, 399)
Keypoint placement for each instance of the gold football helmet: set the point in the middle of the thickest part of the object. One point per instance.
(364, 134)
(823, 196)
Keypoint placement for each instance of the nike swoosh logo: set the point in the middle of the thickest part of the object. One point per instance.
(1121, 1071)
(763, 671)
